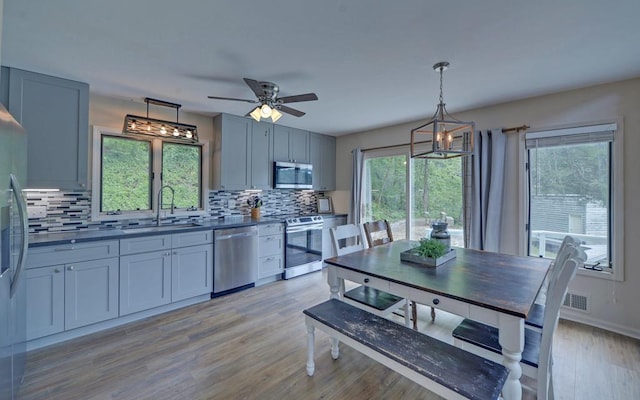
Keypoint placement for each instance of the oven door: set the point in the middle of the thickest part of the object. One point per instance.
(303, 249)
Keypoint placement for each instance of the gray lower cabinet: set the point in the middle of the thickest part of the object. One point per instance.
(270, 250)
(322, 151)
(191, 271)
(160, 269)
(90, 292)
(71, 285)
(145, 281)
(45, 301)
(55, 113)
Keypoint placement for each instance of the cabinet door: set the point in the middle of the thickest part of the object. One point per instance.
(322, 153)
(45, 301)
(55, 113)
(145, 281)
(261, 155)
(290, 144)
(269, 266)
(232, 152)
(91, 292)
(299, 145)
(191, 271)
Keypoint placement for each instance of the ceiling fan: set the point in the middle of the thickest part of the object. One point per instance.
(270, 103)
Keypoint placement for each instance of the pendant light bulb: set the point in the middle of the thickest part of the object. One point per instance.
(265, 111)
(175, 132)
(163, 130)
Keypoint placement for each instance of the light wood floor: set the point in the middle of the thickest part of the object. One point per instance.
(252, 345)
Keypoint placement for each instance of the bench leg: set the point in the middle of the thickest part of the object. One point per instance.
(310, 349)
(335, 349)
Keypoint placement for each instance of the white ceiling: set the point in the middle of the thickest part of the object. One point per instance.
(369, 61)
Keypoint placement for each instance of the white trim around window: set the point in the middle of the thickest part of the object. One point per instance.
(96, 154)
(616, 272)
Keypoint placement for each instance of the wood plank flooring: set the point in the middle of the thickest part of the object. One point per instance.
(252, 345)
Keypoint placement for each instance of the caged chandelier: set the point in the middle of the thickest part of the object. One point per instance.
(443, 136)
(159, 128)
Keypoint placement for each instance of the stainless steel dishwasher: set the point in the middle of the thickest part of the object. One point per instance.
(235, 261)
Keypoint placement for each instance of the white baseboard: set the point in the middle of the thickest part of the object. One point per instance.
(585, 319)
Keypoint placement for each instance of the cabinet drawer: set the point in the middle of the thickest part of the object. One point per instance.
(270, 245)
(363, 279)
(431, 299)
(191, 238)
(73, 252)
(145, 244)
(269, 266)
(270, 229)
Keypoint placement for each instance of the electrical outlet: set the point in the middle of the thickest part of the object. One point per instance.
(37, 211)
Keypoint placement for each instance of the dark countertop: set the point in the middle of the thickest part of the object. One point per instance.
(57, 238)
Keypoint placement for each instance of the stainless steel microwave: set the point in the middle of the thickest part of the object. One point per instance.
(288, 175)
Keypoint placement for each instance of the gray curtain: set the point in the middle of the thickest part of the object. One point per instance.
(483, 190)
(354, 216)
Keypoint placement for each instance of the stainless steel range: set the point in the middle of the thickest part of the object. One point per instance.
(303, 245)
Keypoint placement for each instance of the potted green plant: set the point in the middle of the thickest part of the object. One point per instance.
(429, 252)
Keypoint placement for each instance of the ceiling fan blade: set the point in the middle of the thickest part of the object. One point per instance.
(255, 86)
(231, 98)
(298, 97)
(289, 110)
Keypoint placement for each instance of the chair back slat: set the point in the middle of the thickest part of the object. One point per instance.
(378, 232)
(346, 239)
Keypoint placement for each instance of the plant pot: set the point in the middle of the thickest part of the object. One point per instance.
(410, 256)
(255, 213)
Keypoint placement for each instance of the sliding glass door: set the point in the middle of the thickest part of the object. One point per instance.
(412, 193)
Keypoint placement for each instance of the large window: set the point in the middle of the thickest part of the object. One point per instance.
(128, 173)
(412, 193)
(572, 191)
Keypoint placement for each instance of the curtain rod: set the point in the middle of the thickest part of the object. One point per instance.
(516, 129)
(504, 130)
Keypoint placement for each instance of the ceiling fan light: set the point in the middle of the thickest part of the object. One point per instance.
(255, 114)
(265, 111)
(275, 115)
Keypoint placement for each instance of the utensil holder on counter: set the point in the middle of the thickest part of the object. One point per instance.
(255, 213)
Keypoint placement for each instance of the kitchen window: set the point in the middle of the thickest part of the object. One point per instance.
(575, 188)
(128, 172)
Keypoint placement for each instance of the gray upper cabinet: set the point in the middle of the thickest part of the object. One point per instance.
(55, 114)
(242, 156)
(261, 155)
(322, 151)
(290, 144)
(231, 153)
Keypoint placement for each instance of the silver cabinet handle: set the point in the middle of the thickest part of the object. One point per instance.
(70, 268)
(65, 248)
(57, 270)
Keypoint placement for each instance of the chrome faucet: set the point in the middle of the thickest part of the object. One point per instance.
(173, 194)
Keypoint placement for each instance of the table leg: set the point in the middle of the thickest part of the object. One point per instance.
(310, 349)
(512, 341)
(334, 282)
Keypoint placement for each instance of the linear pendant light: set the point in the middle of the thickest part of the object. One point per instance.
(443, 136)
(159, 128)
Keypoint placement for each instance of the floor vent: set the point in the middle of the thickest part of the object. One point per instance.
(576, 301)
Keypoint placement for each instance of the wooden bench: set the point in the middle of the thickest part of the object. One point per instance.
(438, 366)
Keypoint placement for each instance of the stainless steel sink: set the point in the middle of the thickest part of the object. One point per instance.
(161, 228)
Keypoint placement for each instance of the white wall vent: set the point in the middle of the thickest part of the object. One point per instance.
(577, 301)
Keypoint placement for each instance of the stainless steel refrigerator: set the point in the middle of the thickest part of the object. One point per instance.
(14, 240)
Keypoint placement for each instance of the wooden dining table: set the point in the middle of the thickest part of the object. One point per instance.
(492, 288)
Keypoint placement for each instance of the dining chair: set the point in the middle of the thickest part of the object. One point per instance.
(378, 233)
(348, 239)
(536, 359)
(536, 314)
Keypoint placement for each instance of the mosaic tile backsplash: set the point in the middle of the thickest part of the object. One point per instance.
(71, 211)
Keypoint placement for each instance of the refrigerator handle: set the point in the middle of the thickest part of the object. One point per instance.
(22, 213)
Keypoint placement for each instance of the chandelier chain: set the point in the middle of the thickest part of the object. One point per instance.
(441, 97)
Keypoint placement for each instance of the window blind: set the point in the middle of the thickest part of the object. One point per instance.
(568, 136)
